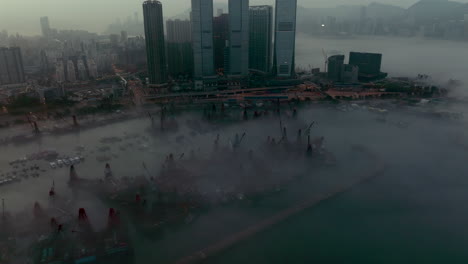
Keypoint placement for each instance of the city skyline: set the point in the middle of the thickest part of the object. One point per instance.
(69, 15)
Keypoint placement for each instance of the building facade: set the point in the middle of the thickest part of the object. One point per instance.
(220, 41)
(179, 48)
(335, 67)
(238, 38)
(71, 72)
(368, 63)
(260, 38)
(178, 31)
(11, 66)
(285, 38)
(202, 38)
(45, 26)
(155, 42)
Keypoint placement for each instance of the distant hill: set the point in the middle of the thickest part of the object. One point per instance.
(428, 10)
(384, 11)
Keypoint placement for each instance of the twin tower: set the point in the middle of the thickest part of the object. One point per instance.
(240, 33)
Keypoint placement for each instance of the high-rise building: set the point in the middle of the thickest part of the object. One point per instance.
(114, 40)
(92, 68)
(220, 41)
(202, 38)
(335, 67)
(11, 66)
(45, 26)
(123, 37)
(260, 37)
(71, 74)
(285, 38)
(59, 72)
(82, 71)
(179, 47)
(155, 43)
(238, 37)
(178, 31)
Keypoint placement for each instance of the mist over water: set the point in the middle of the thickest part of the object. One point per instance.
(421, 192)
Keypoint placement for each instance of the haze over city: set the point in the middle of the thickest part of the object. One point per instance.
(234, 131)
(96, 15)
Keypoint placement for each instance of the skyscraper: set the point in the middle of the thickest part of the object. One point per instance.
(155, 44)
(45, 26)
(238, 37)
(178, 31)
(71, 73)
(179, 47)
(11, 66)
(285, 38)
(59, 72)
(220, 39)
(92, 68)
(202, 38)
(260, 37)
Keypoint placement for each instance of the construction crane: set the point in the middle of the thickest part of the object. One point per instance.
(325, 56)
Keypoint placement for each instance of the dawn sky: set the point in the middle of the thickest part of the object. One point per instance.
(94, 15)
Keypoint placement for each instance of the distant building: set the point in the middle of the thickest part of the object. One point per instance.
(92, 68)
(59, 72)
(179, 47)
(369, 65)
(238, 37)
(11, 66)
(285, 38)
(220, 41)
(335, 67)
(202, 38)
(82, 71)
(45, 26)
(71, 73)
(260, 37)
(114, 40)
(123, 36)
(155, 43)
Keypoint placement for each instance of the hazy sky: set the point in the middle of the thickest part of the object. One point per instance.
(23, 15)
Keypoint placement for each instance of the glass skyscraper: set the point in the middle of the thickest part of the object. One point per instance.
(238, 37)
(285, 38)
(260, 39)
(155, 44)
(202, 38)
(179, 48)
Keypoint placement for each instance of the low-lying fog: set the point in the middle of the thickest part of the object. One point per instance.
(426, 158)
